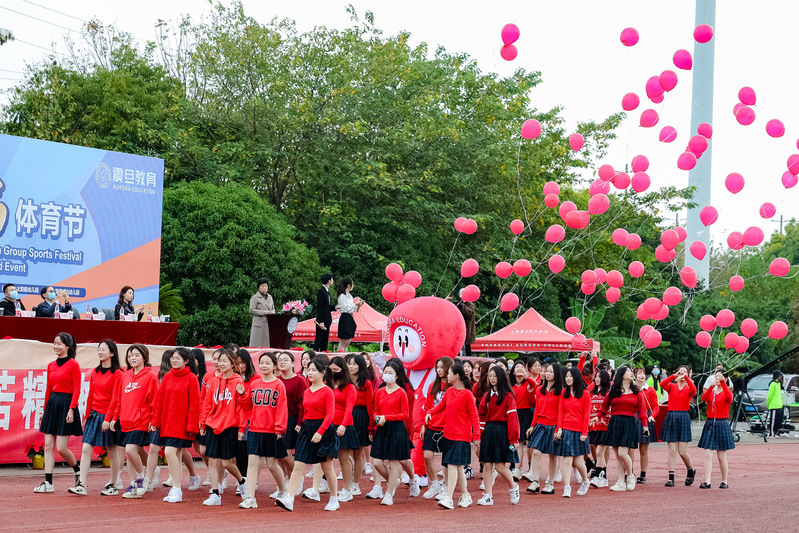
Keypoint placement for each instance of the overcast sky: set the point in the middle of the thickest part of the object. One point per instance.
(574, 43)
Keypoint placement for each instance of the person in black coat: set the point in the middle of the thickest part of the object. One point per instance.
(8, 305)
(324, 306)
(50, 306)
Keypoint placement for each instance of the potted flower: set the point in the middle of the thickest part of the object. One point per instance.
(35, 452)
(102, 454)
(296, 307)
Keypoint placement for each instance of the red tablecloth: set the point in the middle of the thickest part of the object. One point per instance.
(85, 331)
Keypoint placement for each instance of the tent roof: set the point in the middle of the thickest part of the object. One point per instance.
(371, 325)
(531, 332)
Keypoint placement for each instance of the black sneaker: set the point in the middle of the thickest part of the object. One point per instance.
(670, 483)
(690, 479)
(641, 480)
(704, 485)
(724, 486)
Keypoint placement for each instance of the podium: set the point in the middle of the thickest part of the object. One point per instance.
(281, 329)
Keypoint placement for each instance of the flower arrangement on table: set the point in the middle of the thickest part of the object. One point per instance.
(35, 452)
(102, 454)
(296, 307)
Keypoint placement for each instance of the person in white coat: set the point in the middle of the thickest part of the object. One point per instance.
(347, 306)
(261, 306)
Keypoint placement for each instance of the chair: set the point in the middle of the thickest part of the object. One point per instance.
(109, 313)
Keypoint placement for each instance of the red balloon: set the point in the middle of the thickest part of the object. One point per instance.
(588, 288)
(698, 249)
(730, 340)
(551, 187)
(599, 187)
(749, 327)
(621, 180)
(613, 294)
(669, 239)
(645, 329)
(630, 101)
(576, 142)
(662, 254)
(672, 296)
(708, 215)
(394, 272)
(735, 240)
(459, 222)
(683, 60)
(471, 293)
(725, 318)
(551, 200)
(619, 236)
(577, 219)
(390, 291)
(734, 182)
(653, 339)
(642, 314)
(588, 277)
(688, 277)
(779, 267)
(743, 344)
(652, 305)
(636, 269)
(405, 293)
(565, 208)
(662, 314)
(556, 263)
(707, 322)
(697, 144)
(412, 278)
(508, 52)
(681, 233)
(629, 36)
(615, 279)
(573, 325)
(703, 33)
(703, 339)
(503, 269)
(736, 283)
(633, 242)
(470, 226)
(640, 181)
(601, 275)
(531, 128)
(639, 163)
(469, 268)
(517, 226)
(522, 267)
(509, 302)
(753, 236)
(778, 330)
(555, 233)
(606, 172)
(510, 33)
(598, 204)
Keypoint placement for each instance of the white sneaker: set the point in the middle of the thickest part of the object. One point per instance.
(332, 504)
(194, 483)
(223, 485)
(78, 489)
(275, 495)
(517, 474)
(299, 489)
(631, 482)
(376, 493)
(528, 475)
(443, 494)
(446, 503)
(595, 481)
(340, 476)
(175, 495)
(286, 502)
(323, 487)
(482, 485)
(168, 482)
(311, 494)
(583, 490)
(241, 488)
(432, 490)
(44, 487)
(405, 478)
(213, 499)
(140, 486)
(309, 474)
(423, 480)
(388, 499)
(415, 490)
(514, 495)
(367, 469)
(465, 500)
(567, 491)
(109, 490)
(248, 503)
(119, 485)
(534, 487)
(355, 489)
(558, 477)
(549, 488)
(344, 496)
(577, 477)
(603, 482)
(207, 482)
(153, 482)
(485, 500)
(620, 486)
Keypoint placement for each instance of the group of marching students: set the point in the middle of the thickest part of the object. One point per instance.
(239, 420)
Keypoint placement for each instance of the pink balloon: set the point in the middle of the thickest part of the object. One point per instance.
(743, 344)
(412, 278)
(588, 288)
(390, 291)
(576, 142)
(629, 36)
(556, 263)
(669, 239)
(703, 339)
(736, 283)
(642, 314)
(662, 254)
(510, 34)
(606, 172)
(598, 204)
(509, 302)
(615, 279)
(663, 314)
(683, 60)
(736, 107)
(789, 180)
(672, 296)
(577, 219)
(565, 208)
(703, 33)
(573, 325)
(516, 226)
(652, 305)
(735, 240)
(551, 200)
(653, 339)
(645, 329)
(621, 180)
(707, 322)
(555, 233)
(686, 161)
(459, 222)
(503, 269)
(708, 215)
(469, 268)
(639, 163)
(734, 182)
(633, 242)
(767, 210)
(730, 340)
(667, 134)
(551, 187)
(470, 226)
(508, 52)
(394, 272)
(775, 128)
(531, 128)
(688, 277)
(749, 327)
(778, 330)
(640, 181)
(619, 236)
(630, 101)
(649, 117)
(405, 293)
(753, 236)
(725, 318)
(599, 187)
(698, 249)
(793, 164)
(613, 294)
(522, 267)
(747, 96)
(601, 275)
(705, 130)
(653, 88)
(681, 233)
(636, 269)
(745, 116)
(697, 144)
(657, 99)
(779, 267)
(471, 293)
(668, 80)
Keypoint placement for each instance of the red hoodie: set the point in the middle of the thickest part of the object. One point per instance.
(220, 410)
(177, 407)
(133, 399)
(462, 422)
(101, 389)
(267, 405)
(64, 378)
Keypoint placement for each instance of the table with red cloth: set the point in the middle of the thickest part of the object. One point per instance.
(89, 331)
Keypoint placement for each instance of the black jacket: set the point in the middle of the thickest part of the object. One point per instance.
(8, 308)
(324, 306)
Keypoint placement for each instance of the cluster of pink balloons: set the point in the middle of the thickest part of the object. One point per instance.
(697, 145)
(465, 225)
(743, 111)
(401, 287)
(620, 237)
(510, 34)
(752, 236)
(733, 341)
(669, 239)
(521, 268)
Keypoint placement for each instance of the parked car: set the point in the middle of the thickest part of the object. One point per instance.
(758, 390)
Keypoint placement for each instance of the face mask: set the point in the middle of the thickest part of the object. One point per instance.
(389, 378)
(13, 295)
(51, 295)
(655, 372)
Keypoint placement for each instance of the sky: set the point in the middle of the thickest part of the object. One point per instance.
(573, 43)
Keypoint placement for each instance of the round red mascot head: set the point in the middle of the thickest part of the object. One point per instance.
(423, 329)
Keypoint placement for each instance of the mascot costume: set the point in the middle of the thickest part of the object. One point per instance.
(421, 330)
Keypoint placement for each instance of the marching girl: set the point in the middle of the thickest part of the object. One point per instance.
(474, 377)
(224, 422)
(196, 364)
(623, 403)
(361, 414)
(266, 402)
(461, 426)
(523, 389)
(433, 431)
(152, 470)
(716, 434)
(176, 416)
(598, 429)
(572, 431)
(131, 410)
(391, 448)
(295, 385)
(305, 359)
(479, 389)
(248, 374)
(345, 394)
(60, 418)
(542, 434)
(373, 374)
(652, 408)
(96, 431)
(317, 441)
(468, 367)
(676, 428)
(500, 424)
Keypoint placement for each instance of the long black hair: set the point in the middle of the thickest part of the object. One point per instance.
(578, 385)
(362, 377)
(199, 361)
(322, 366)
(615, 389)
(69, 342)
(341, 378)
(604, 383)
(503, 385)
(249, 367)
(112, 347)
(557, 383)
(439, 383)
(459, 371)
(402, 377)
(166, 363)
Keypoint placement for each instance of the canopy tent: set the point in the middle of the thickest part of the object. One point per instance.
(531, 332)
(371, 326)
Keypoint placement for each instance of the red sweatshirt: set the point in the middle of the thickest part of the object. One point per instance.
(177, 406)
(651, 400)
(220, 410)
(602, 420)
(101, 389)
(320, 405)
(295, 389)
(490, 411)
(573, 413)
(546, 407)
(524, 399)
(718, 403)
(345, 401)
(394, 406)
(437, 421)
(267, 405)
(133, 399)
(679, 399)
(64, 378)
(462, 422)
(626, 405)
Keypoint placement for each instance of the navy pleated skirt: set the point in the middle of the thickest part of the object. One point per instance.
(312, 453)
(360, 419)
(54, 418)
(494, 445)
(266, 445)
(291, 433)
(717, 435)
(155, 438)
(525, 420)
(543, 439)
(456, 452)
(391, 442)
(676, 427)
(643, 439)
(174, 442)
(570, 445)
(138, 437)
(93, 432)
(597, 437)
(432, 441)
(622, 431)
(222, 445)
(350, 440)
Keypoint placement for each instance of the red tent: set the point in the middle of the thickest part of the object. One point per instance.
(532, 333)
(371, 326)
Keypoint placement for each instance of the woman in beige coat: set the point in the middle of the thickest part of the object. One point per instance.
(261, 306)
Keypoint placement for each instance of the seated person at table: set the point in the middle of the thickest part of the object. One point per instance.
(8, 305)
(125, 304)
(50, 306)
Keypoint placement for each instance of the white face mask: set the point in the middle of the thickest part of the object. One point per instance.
(389, 378)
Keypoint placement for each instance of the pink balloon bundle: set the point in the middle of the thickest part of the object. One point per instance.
(682, 59)
(401, 287)
(469, 268)
(703, 33)
(509, 302)
(629, 37)
(510, 33)
(465, 225)
(531, 128)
